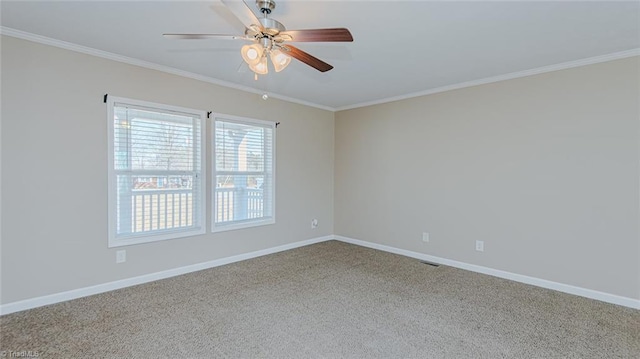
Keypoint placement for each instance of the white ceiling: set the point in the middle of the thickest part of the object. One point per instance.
(400, 48)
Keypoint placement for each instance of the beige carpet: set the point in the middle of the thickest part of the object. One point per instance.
(329, 300)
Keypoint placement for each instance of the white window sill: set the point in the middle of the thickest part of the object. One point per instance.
(242, 225)
(147, 238)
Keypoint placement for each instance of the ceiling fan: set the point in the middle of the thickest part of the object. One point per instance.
(270, 37)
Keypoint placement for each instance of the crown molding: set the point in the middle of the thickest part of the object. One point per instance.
(509, 76)
(153, 66)
(149, 65)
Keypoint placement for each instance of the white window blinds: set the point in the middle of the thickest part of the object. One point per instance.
(156, 184)
(243, 173)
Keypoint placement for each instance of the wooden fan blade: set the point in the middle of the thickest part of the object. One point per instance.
(305, 57)
(319, 35)
(204, 36)
(242, 12)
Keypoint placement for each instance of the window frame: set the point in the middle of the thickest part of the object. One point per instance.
(248, 223)
(119, 241)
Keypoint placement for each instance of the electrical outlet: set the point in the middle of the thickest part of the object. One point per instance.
(121, 256)
(314, 223)
(425, 236)
(480, 246)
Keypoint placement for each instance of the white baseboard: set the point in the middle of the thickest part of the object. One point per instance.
(123, 283)
(560, 287)
(105, 287)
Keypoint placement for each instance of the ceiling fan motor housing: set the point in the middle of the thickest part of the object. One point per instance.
(271, 26)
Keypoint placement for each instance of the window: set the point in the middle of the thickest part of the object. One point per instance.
(155, 172)
(243, 163)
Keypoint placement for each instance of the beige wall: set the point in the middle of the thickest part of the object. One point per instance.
(543, 169)
(54, 170)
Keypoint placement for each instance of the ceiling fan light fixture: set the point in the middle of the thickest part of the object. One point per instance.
(252, 54)
(280, 60)
(260, 67)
